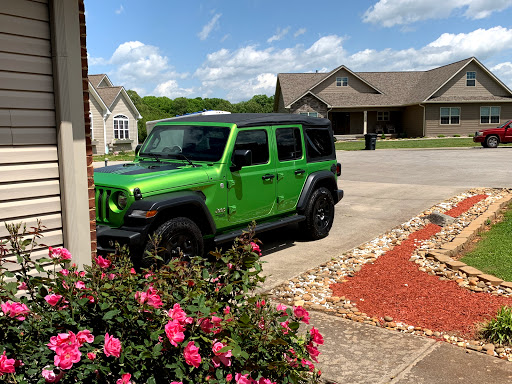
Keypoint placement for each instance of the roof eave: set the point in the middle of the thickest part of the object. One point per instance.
(98, 98)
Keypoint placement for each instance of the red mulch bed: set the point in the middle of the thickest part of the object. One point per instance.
(393, 286)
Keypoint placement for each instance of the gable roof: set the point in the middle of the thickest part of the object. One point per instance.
(394, 88)
(108, 95)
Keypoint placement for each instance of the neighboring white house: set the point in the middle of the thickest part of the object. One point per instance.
(113, 117)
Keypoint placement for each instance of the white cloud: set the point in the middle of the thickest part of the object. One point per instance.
(203, 35)
(388, 13)
(120, 10)
(504, 72)
(279, 34)
(299, 32)
(172, 90)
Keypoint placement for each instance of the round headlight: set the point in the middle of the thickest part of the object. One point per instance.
(121, 200)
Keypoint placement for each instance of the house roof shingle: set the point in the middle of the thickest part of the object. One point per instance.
(398, 88)
(108, 94)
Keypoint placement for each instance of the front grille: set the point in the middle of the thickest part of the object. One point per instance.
(102, 204)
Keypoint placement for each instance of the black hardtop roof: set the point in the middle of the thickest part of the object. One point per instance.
(257, 119)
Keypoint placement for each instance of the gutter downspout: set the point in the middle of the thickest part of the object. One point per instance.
(105, 116)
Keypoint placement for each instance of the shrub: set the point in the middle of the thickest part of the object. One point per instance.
(471, 135)
(188, 322)
(499, 329)
(456, 135)
(441, 135)
(383, 136)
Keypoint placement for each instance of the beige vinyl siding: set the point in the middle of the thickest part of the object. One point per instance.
(355, 85)
(121, 107)
(485, 84)
(469, 118)
(29, 169)
(97, 126)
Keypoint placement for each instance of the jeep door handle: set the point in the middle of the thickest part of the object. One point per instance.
(300, 171)
(268, 176)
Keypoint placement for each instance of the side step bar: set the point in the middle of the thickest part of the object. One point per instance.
(260, 228)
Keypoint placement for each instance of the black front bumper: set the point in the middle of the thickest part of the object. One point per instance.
(108, 237)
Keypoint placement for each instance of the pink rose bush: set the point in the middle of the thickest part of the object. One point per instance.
(185, 323)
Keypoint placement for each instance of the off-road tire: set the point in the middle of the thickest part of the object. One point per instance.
(319, 215)
(180, 238)
(492, 141)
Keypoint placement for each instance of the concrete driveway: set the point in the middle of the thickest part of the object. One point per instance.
(383, 189)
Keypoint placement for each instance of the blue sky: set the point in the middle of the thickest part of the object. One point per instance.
(235, 49)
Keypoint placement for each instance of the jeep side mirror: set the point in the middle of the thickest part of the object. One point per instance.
(137, 149)
(241, 158)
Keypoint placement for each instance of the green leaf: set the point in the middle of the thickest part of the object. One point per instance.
(151, 380)
(206, 275)
(110, 314)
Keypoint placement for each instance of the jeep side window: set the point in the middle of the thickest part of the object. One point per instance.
(289, 144)
(319, 144)
(257, 141)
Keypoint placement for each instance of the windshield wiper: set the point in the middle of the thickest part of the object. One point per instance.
(186, 158)
(155, 156)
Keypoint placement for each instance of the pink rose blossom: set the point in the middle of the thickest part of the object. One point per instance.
(281, 307)
(220, 357)
(132, 271)
(102, 262)
(61, 339)
(309, 364)
(53, 299)
(301, 313)
(125, 379)
(229, 377)
(22, 286)
(51, 377)
(176, 382)
(242, 379)
(285, 326)
(174, 331)
(112, 276)
(91, 356)
(316, 336)
(176, 313)
(80, 285)
(154, 299)
(227, 309)
(112, 346)
(59, 253)
(256, 248)
(65, 272)
(15, 309)
(66, 356)
(84, 336)
(265, 381)
(6, 365)
(313, 352)
(260, 304)
(191, 354)
(206, 325)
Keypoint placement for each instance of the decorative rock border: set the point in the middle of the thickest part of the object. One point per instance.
(433, 256)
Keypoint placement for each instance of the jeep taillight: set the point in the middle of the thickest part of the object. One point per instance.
(338, 169)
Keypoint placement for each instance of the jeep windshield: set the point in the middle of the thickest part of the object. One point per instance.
(191, 142)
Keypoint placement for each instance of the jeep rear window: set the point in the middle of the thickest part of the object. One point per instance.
(289, 144)
(319, 144)
(199, 143)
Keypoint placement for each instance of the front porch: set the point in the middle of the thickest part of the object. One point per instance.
(360, 122)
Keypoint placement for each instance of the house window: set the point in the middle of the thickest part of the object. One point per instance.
(470, 79)
(450, 115)
(383, 116)
(121, 130)
(342, 81)
(310, 114)
(489, 115)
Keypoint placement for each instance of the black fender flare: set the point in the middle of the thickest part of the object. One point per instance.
(324, 178)
(190, 200)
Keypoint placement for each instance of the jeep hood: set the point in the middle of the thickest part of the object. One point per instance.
(150, 177)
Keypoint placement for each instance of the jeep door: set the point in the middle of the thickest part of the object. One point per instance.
(252, 189)
(290, 167)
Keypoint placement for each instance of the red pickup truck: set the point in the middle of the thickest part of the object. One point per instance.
(492, 137)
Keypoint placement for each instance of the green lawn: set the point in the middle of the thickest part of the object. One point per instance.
(111, 157)
(493, 253)
(420, 143)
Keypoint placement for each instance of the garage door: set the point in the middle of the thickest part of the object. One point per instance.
(29, 172)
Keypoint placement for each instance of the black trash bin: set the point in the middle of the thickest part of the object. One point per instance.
(370, 141)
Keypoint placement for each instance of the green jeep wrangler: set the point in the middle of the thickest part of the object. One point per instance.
(204, 178)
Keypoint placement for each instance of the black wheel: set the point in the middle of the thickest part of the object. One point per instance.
(492, 141)
(180, 238)
(483, 144)
(319, 215)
